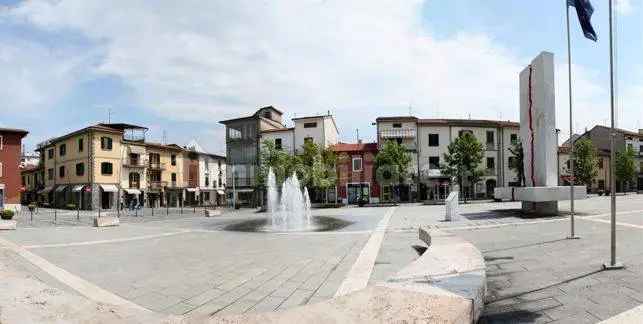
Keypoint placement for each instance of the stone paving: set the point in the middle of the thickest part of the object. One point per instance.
(187, 264)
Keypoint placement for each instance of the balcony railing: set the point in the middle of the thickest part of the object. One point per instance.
(134, 163)
(156, 166)
(157, 185)
(397, 132)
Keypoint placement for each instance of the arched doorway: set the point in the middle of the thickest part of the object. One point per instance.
(491, 185)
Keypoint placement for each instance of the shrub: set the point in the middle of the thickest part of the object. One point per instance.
(6, 214)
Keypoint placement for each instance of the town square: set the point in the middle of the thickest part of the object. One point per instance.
(321, 162)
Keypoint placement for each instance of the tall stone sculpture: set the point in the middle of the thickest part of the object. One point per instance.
(541, 193)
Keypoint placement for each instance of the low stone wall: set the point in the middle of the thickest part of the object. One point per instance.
(447, 284)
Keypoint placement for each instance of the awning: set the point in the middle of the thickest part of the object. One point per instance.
(137, 149)
(206, 189)
(133, 191)
(46, 190)
(109, 188)
(61, 188)
(192, 189)
(242, 190)
(78, 188)
(221, 192)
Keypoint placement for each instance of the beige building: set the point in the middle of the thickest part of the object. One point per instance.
(427, 141)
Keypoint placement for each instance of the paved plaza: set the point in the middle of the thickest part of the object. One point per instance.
(186, 264)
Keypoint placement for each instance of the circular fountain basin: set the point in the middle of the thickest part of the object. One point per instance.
(263, 225)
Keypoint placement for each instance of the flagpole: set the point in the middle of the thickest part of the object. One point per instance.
(613, 265)
(572, 157)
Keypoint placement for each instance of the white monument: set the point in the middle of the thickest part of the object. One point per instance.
(541, 193)
(451, 204)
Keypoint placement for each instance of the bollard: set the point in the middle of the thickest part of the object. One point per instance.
(167, 209)
(152, 211)
(31, 211)
(55, 215)
(194, 206)
(181, 208)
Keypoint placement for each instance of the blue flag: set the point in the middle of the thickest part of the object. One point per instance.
(584, 10)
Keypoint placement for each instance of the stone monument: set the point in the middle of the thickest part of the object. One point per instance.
(541, 193)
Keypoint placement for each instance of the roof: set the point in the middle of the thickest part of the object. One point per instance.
(254, 115)
(21, 132)
(30, 168)
(122, 126)
(164, 146)
(314, 116)
(396, 118)
(277, 130)
(97, 127)
(574, 138)
(468, 122)
(354, 147)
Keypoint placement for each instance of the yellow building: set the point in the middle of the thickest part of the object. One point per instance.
(82, 169)
(165, 175)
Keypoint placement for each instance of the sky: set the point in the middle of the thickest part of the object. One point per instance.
(179, 67)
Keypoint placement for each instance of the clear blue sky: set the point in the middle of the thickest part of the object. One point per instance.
(182, 67)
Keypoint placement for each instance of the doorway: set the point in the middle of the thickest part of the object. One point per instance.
(355, 191)
(491, 185)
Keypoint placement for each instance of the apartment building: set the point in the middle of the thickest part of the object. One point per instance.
(10, 152)
(206, 177)
(356, 172)
(82, 168)
(600, 136)
(245, 135)
(165, 175)
(33, 180)
(427, 141)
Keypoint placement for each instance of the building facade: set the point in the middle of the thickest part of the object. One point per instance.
(33, 180)
(356, 173)
(427, 140)
(10, 178)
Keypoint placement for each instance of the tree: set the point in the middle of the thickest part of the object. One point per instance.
(517, 162)
(274, 158)
(625, 166)
(392, 164)
(586, 164)
(462, 159)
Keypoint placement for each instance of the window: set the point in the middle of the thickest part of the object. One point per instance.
(569, 164)
(234, 133)
(600, 163)
(1, 169)
(61, 171)
(397, 125)
(106, 168)
(50, 174)
(310, 125)
(50, 153)
(134, 180)
(490, 137)
(491, 163)
(106, 143)
(207, 181)
(434, 139)
(434, 162)
(173, 159)
(62, 150)
(277, 144)
(513, 138)
(601, 184)
(22, 178)
(267, 114)
(173, 177)
(357, 164)
(1, 142)
(512, 162)
(80, 169)
(81, 144)
(465, 131)
(308, 140)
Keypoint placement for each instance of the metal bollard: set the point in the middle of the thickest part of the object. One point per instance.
(31, 211)
(55, 215)
(152, 211)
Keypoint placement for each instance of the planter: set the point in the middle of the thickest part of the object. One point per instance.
(7, 224)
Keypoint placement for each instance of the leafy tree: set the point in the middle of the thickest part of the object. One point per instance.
(392, 163)
(462, 159)
(625, 166)
(586, 164)
(518, 164)
(278, 160)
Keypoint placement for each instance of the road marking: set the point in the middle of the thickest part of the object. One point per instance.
(607, 221)
(82, 286)
(135, 238)
(468, 227)
(361, 270)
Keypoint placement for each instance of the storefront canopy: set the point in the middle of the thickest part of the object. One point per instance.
(133, 191)
(221, 192)
(61, 188)
(46, 190)
(109, 188)
(78, 188)
(192, 189)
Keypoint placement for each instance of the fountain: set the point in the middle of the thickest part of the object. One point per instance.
(292, 211)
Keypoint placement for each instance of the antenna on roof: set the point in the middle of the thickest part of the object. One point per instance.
(410, 110)
(469, 115)
(109, 115)
(357, 134)
(164, 141)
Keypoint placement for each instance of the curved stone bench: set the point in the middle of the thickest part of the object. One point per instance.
(446, 284)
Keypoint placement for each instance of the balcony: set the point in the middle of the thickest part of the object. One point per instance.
(157, 185)
(156, 166)
(398, 133)
(134, 163)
